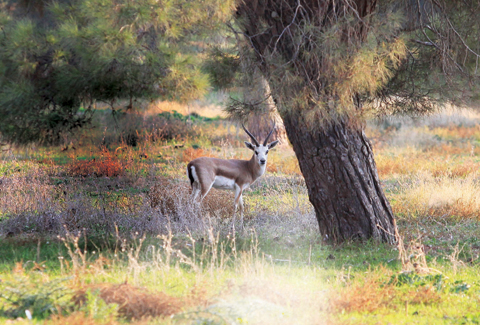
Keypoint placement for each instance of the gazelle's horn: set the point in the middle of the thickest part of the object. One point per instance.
(268, 136)
(251, 136)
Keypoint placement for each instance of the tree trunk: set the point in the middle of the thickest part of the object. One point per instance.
(261, 121)
(308, 50)
(342, 180)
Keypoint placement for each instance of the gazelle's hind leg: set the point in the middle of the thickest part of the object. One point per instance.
(195, 191)
(192, 175)
(198, 187)
(206, 186)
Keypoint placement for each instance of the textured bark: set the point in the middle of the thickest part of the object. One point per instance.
(342, 180)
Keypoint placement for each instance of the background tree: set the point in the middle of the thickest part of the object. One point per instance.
(57, 58)
(331, 64)
(256, 109)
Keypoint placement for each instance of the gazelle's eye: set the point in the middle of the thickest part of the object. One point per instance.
(266, 152)
(256, 152)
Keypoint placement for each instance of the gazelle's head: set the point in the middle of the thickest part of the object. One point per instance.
(260, 150)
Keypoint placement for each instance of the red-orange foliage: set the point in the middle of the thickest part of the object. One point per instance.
(107, 165)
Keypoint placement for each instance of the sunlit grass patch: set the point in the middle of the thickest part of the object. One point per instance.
(439, 197)
(445, 160)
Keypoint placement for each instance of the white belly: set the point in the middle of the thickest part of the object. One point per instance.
(223, 183)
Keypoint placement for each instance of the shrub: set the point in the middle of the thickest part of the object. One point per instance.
(171, 130)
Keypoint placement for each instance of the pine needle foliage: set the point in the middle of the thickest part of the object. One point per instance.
(57, 58)
(41, 299)
(335, 60)
(222, 66)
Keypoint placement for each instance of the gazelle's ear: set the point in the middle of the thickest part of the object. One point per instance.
(273, 144)
(249, 145)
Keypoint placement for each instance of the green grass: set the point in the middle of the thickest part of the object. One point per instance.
(295, 282)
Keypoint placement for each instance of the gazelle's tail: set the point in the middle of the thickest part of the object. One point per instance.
(189, 173)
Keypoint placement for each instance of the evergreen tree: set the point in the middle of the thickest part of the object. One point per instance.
(57, 58)
(331, 64)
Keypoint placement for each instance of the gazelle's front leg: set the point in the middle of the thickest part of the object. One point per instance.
(240, 203)
(238, 200)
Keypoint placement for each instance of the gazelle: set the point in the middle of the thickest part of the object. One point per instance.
(232, 174)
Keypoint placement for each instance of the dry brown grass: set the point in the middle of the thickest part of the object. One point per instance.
(133, 302)
(46, 161)
(136, 303)
(189, 154)
(168, 106)
(369, 296)
(445, 160)
(412, 256)
(426, 295)
(171, 197)
(465, 169)
(284, 162)
(21, 193)
(165, 194)
(387, 166)
(459, 132)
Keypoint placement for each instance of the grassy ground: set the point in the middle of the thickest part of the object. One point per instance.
(99, 230)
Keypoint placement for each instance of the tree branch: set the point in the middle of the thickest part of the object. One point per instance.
(288, 26)
(424, 43)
